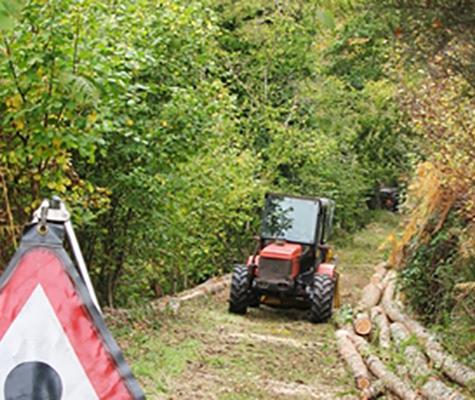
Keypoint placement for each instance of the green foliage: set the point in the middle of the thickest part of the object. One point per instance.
(326, 19)
(361, 57)
(429, 281)
(432, 271)
(162, 124)
(316, 132)
(9, 9)
(434, 64)
(362, 49)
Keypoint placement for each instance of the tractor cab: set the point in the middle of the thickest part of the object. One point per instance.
(300, 223)
(292, 253)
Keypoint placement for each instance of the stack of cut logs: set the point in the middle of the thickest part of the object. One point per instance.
(379, 329)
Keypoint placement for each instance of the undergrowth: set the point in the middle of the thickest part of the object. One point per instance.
(429, 279)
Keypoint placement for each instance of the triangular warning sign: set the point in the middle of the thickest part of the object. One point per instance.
(53, 342)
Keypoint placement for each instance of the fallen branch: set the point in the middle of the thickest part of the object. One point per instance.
(465, 287)
(210, 287)
(353, 359)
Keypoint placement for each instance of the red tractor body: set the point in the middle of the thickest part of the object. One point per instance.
(287, 253)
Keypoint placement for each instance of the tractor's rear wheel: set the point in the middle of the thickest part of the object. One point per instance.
(239, 295)
(321, 298)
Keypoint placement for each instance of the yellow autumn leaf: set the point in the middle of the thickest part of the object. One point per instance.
(12, 157)
(92, 117)
(19, 124)
(14, 102)
(56, 143)
(57, 187)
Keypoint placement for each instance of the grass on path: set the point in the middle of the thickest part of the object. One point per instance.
(204, 352)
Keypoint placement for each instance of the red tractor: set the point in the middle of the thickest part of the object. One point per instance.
(292, 262)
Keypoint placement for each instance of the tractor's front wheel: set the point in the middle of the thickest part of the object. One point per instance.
(239, 294)
(321, 298)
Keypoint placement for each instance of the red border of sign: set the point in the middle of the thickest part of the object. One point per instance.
(93, 344)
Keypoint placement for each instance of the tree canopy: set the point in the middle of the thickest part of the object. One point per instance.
(162, 123)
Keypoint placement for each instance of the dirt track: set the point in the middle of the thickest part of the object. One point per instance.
(203, 352)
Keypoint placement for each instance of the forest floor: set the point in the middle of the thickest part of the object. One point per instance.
(203, 352)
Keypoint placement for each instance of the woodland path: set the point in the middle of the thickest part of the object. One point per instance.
(203, 352)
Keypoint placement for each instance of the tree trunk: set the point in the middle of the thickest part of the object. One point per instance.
(417, 365)
(371, 294)
(362, 324)
(210, 287)
(387, 301)
(353, 359)
(378, 317)
(376, 366)
(380, 272)
(455, 370)
(434, 389)
(375, 390)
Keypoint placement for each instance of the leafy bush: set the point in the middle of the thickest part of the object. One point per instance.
(435, 45)
(162, 123)
(433, 269)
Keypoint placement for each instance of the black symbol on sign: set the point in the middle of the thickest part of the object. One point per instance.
(33, 381)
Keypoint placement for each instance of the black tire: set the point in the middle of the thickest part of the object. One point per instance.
(239, 293)
(321, 298)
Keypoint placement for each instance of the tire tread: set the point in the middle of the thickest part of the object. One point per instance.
(239, 293)
(321, 298)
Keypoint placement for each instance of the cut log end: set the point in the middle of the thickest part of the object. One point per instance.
(362, 382)
(353, 359)
(362, 324)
